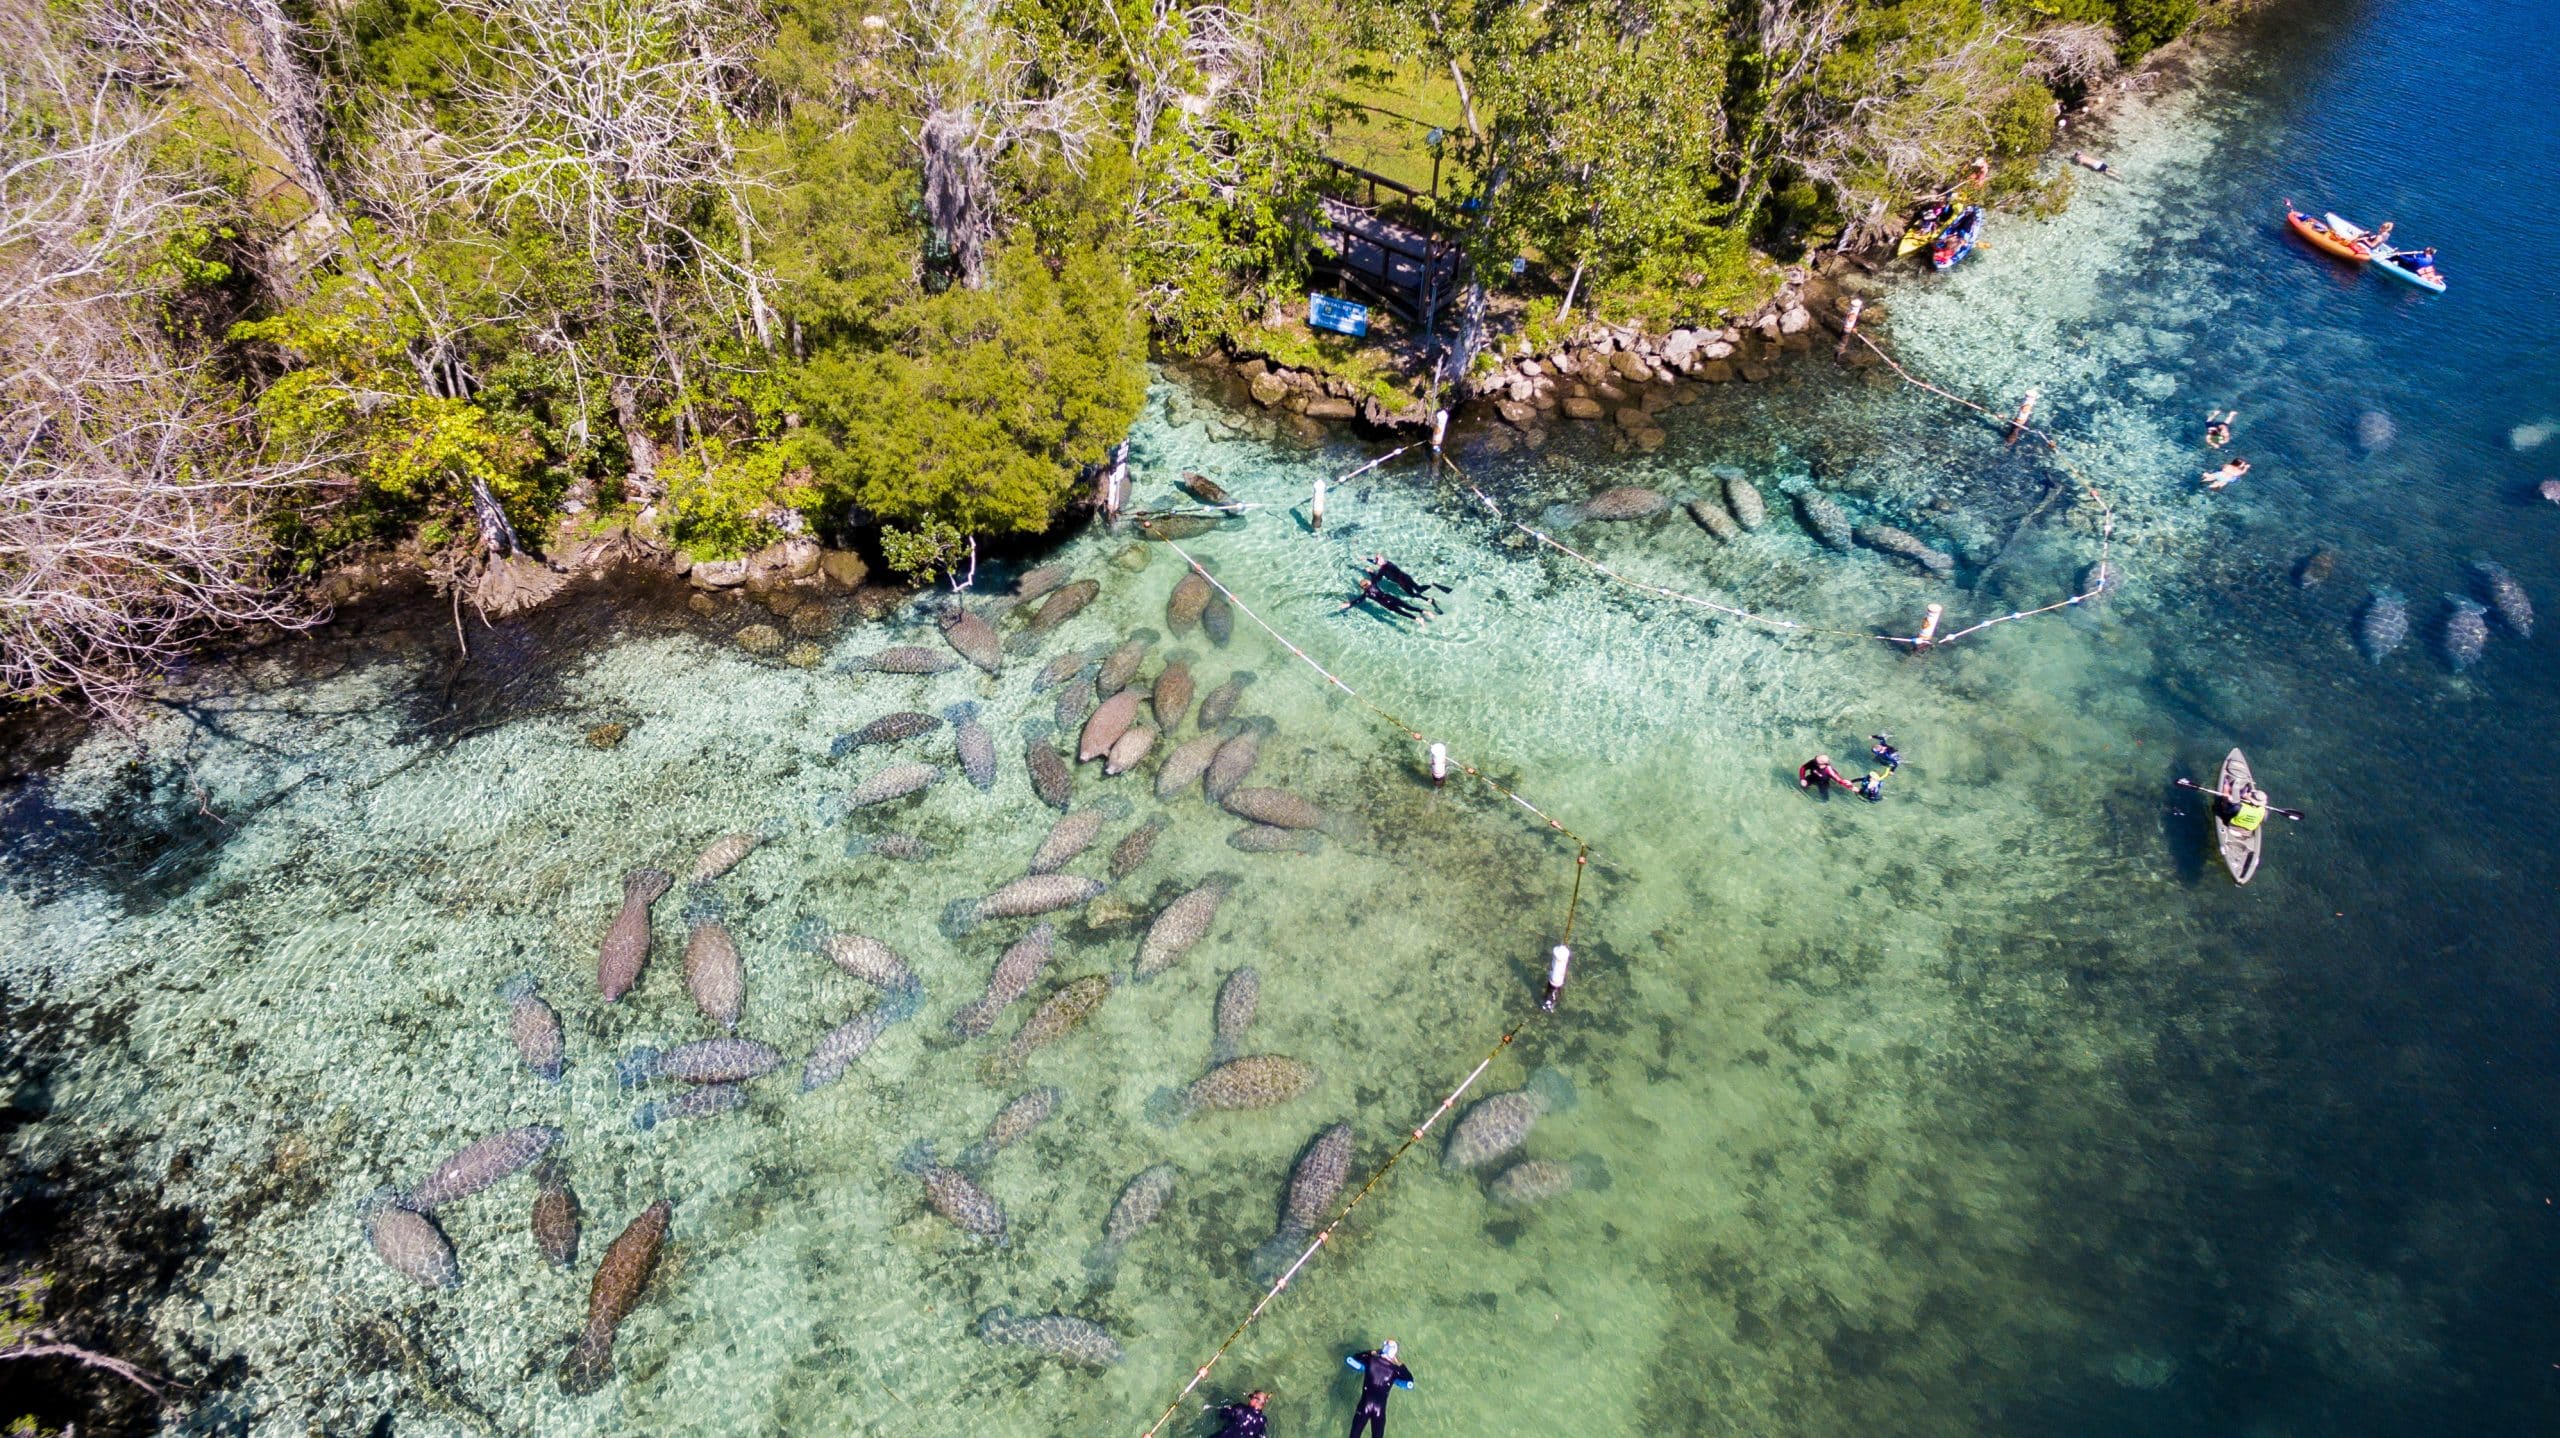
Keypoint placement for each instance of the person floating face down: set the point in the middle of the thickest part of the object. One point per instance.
(1372, 592)
(1817, 775)
(1245, 1419)
(1380, 1375)
(1387, 570)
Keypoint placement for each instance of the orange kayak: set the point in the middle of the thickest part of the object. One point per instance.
(2320, 237)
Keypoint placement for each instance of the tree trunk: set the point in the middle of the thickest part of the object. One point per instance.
(635, 435)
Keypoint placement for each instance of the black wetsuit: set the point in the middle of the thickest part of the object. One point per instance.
(1374, 594)
(1886, 754)
(1243, 1420)
(1378, 1378)
(1394, 573)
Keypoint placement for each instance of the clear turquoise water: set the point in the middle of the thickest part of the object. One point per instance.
(1990, 1108)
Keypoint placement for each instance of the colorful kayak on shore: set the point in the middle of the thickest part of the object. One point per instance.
(2319, 236)
(1923, 229)
(1957, 240)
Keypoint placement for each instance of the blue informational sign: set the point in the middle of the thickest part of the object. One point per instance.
(1324, 312)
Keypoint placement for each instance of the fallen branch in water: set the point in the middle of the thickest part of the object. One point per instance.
(87, 1358)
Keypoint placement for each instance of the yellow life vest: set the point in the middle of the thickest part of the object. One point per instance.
(2252, 813)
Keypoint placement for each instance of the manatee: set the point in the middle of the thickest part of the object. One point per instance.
(1712, 518)
(1013, 976)
(1174, 688)
(1276, 807)
(1186, 763)
(481, 1164)
(1051, 776)
(863, 957)
(1183, 923)
(619, 1282)
(626, 943)
(724, 854)
(411, 1243)
(2505, 596)
(1063, 1336)
(1253, 1082)
(2101, 579)
(908, 659)
(1060, 1014)
(973, 638)
(1238, 999)
(2466, 630)
(1107, 725)
(1182, 608)
(1743, 498)
(2315, 567)
(1010, 1126)
(1205, 489)
(1218, 619)
(1822, 517)
(535, 1026)
(1121, 665)
(1140, 1201)
(1232, 765)
(701, 1101)
(2375, 431)
(1067, 838)
(1039, 581)
(1031, 895)
(895, 782)
(1535, 1180)
(1064, 605)
(1134, 847)
(555, 1215)
(1269, 839)
(905, 848)
(2384, 624)
(1220, 704)
(1885, 539)
(1181, 526)
(962, 1204)
(1059, 670)
(714, 975)
(1130, 749)
(1627, 501)
(1074, 702)
(977, 748)
(703, 1061)
(1313, 1186)
(840, 1046)
(887, 729)
(1497, 1125)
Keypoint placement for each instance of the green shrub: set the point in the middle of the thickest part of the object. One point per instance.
(2022, 123)
(724, 505)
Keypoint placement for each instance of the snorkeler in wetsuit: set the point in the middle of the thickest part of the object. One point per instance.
(1246, 1419)
(1886, 754)
(1380, 1375)
(1373, 593)
(1381, 567)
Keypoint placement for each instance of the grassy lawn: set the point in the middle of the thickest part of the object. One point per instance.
(1384, 115)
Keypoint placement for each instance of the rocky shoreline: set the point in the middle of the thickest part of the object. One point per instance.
(1615, 376)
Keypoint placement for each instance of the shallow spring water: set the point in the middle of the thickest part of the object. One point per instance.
(1989, 1107)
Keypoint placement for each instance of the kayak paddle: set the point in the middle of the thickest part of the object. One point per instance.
(2293, 814)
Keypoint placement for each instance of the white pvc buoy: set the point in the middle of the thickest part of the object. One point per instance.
(1439, 763)
(1318, 505)
(1558, 960)
(1929, 626)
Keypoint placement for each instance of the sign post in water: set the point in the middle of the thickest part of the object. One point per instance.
(1324, 312)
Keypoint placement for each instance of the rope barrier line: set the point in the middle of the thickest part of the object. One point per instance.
(1365, 702)
(1413, 1138)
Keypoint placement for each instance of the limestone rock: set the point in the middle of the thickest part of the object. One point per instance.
(1516, 412)
(1330, 407)
(719, 573)
(1650, 439)
(1633, 417)
(606, 736)
(1716, 349)
(786, 561)
(1632, 365)
(844, 569)
(1269, 389)
(1680, 348)
(1716, 371)
(812, 621)
(760, 640)
(1794, 321)
(803, 655)
(1580, 407)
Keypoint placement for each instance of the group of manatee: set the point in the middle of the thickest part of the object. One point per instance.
(1114, 713)
(2383, 623)
(1741, 508)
